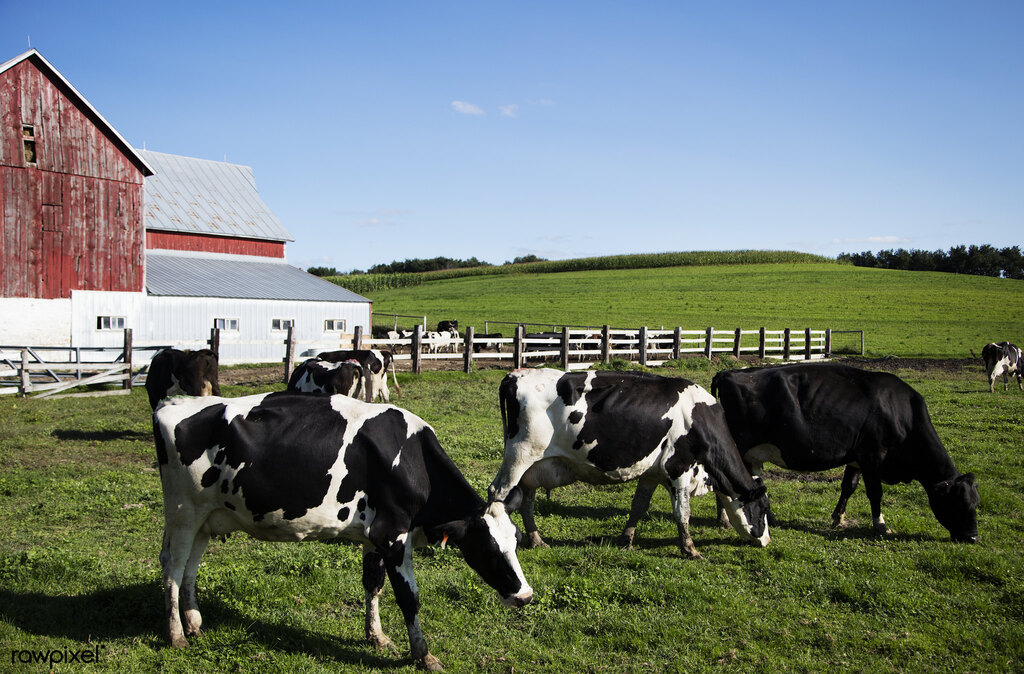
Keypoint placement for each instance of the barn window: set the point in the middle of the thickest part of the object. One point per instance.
(334, 325)
(282, 323)
(226, 324)
(110, 322)
(28, 137)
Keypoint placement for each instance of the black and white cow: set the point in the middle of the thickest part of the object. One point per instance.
(375, 364)
(323, 376)
(610, 427)
(1004, 359)
(293, 467)
(446, 326)
(176, 372)
(818, 416)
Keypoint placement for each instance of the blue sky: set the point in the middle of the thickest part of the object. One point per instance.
(382, 131)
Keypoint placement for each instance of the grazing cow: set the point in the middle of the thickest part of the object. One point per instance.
(610, 427)
(445, 326)
(1002, 359)
(175, 372)
(484, 345)
(292, 467)
(375, 364)
(321, 376)
(817, 416)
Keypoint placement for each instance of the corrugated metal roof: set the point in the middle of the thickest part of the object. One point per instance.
(199, 196)
(184, 275)
(133, 155)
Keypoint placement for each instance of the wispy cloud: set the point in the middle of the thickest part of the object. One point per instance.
(465, 108)
(511, 110)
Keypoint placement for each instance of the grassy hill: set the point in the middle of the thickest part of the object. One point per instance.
(903, 313)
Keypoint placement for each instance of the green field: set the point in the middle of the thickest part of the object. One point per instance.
(926, 314)
(82, 523)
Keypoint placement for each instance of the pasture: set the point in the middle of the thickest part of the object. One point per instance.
(82, 523)
(907, 314)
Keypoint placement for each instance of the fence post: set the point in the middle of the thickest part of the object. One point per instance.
(128, 359)
(416, 349)
(785, 344)
(828, 342)
(289, 354)
(606, 344)
(215, 341)
(517, 348)
(807, 343)
(677, 339)
(761, 350)
(565, 347)
(468, 364)
(708, 342)
(643, 345)
(357, 338)
(736, 344)
(26, 378)
(862, 342)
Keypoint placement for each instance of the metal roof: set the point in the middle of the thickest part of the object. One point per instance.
(197, 275)
(200, 196)
(46, 67)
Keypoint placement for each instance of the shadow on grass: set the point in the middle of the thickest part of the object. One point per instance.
(136, 612)
(849, 531)
(102, 436)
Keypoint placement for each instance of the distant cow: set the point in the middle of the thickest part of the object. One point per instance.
(293, 467)
(375, 364)
(445, 326)
(611, 427)
(1002, 359)
(483, 344)
(812, 417)
(322, 376)
(176, 372)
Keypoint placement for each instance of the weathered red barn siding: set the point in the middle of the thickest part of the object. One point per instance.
(72, 220)
(213, 244)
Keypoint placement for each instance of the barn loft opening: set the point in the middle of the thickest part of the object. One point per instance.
(28, 135)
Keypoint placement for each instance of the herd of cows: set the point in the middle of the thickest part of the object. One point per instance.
(318, 462)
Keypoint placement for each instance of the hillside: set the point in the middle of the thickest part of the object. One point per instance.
(927, 314)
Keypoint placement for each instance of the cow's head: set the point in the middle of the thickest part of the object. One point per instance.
(955, 504)
(749, 513)
(488, 541)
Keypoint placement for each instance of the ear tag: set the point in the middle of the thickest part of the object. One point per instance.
(444, 541)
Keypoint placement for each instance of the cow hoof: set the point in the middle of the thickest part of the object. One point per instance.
(624, 542)
(381, 642)
(179, 642)
(431, 664)
(838, 520)
(882, 529)
(533, 540)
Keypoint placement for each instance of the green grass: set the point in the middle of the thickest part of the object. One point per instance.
(905, 314)
(82, 521)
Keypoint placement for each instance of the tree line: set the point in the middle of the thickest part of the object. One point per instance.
(984, 260)
(419, 266)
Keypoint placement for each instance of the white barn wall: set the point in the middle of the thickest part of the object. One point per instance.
(26, 321)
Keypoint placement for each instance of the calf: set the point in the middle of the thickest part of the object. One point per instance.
(293, 467)
(175, 372)
(812, 417)
(610, 427)
(1002, 359)
(375, 364)
(321, 376)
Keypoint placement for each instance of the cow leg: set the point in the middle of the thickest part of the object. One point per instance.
(373, 584)
(641, 503)
(873, 487)
(404, 584)
(681, 512)
(851, 478)
(174, 557)
(533, 539)
(189, 607)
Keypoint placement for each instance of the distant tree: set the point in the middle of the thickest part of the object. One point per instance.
(528, 258)
(983, 260)
(417, 265)
(323, 271)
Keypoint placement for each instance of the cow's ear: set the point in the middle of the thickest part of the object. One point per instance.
(514, 499)
(449, 532)
(755, 494)
(967, 478)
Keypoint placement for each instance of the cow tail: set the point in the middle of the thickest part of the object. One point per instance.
(394, 378)
(973, 355)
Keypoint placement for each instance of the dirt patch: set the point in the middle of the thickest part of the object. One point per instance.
(895, 363)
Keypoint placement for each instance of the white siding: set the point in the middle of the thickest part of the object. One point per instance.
(34, 322)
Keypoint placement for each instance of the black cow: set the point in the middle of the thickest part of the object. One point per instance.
(812, 417)
(375, 364)
(446, 326)
(1002, 359)
(611, 427)
(484, 345)
(292, 467)
(175, 372)
(322, 376)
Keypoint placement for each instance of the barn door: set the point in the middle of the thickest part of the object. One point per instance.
(55, 277)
